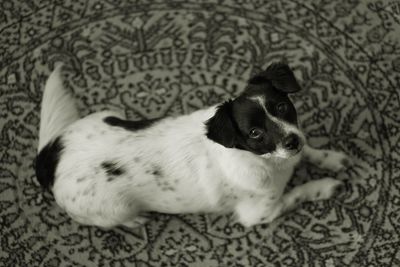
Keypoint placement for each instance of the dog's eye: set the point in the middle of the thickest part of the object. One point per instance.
(281, 108)
(256, 133)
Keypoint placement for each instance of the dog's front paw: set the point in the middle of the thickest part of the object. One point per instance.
(334, 161)
(313, 191)
(327, 188)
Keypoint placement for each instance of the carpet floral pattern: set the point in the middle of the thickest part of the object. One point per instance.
(152, 59)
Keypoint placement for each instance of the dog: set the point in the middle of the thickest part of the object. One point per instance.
(235, 157)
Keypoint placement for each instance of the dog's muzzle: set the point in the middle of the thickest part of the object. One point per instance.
(292, 143)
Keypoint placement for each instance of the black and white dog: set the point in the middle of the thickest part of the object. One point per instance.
(236, 157)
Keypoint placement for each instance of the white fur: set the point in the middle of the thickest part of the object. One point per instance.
(198, 175)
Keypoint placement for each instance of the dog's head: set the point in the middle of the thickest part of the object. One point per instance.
(262, 119)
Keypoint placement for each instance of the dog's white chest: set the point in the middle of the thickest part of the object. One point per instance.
(254, 174)
(280, 177)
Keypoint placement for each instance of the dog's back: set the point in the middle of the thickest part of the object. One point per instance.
(103, 169)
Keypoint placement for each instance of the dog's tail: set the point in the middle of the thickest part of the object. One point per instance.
(58, 109)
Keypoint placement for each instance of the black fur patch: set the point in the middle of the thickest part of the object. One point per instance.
(127, 124)
(112, 169)
(280, 76)
(156, 171)
(221, 127)
(47, 161)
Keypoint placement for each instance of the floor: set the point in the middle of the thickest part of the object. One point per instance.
(152, 59)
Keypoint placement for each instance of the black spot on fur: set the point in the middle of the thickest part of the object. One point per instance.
(167, 188)
(47, 162)
(79, 180)
(157, 171)
(165, 185)
(86, 192)
(112, 169)
(127, 124)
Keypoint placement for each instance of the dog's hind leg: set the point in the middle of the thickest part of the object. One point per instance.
(136, 222)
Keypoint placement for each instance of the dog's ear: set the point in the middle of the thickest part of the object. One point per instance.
(220, 127)
(281, 77)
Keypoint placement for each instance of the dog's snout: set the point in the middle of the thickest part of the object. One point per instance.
(291, 142)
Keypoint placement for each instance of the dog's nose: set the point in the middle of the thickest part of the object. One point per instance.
(291, 142)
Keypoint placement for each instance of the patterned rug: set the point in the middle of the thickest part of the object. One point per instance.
(158, 58)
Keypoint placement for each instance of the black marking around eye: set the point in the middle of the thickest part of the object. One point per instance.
(112, 169)
(129, 125)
